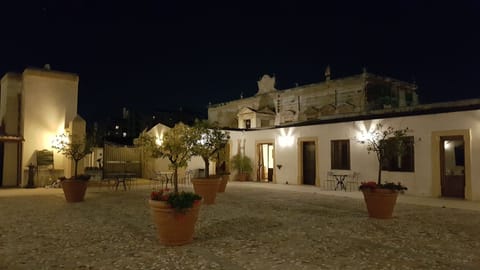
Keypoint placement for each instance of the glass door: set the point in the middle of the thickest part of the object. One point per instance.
(452, 166)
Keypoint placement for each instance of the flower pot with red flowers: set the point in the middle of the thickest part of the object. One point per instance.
(381, 198)
(174, 215)
(210, 140)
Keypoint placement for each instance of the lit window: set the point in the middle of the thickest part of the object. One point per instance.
(117, 127)
(124, 134)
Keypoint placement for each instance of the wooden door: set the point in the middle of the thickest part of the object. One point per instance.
(452, 166)
(309, 164)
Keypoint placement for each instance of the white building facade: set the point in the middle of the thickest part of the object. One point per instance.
(446, 149)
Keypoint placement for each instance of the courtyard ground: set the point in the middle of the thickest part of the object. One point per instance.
(252, 226)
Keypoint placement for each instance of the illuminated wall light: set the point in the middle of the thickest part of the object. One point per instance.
(363, 133)
(364, 136)
(286, 138)
(158, 137)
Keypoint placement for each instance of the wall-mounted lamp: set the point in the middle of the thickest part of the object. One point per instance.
(286, 138)
(279, 166)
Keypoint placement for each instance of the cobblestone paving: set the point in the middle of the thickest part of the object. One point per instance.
(247, 228)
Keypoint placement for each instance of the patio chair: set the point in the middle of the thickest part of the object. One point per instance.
(186, 179)
(156, 182)
(330, 182)
(352, 181)
(131, 181)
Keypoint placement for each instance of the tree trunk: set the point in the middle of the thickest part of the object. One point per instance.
(76, 166)
(380, 162)
(379, 180)
(207, 166)
(175, 179)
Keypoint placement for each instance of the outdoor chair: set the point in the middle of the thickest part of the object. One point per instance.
(186, 179)
(331, 182)
(156, 182)
(352, 181)
(131, 182)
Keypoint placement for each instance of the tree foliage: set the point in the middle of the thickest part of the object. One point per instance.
(209, 140)
(176, 146)
(73, 147)
(385, 142)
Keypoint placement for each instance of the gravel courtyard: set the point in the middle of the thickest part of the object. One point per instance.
(248, 228)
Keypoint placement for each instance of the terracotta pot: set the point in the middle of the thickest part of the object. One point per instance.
(74, 190)
(243, 176)
(207, 188)
(174, 228)
(380, 202)
(223, 183)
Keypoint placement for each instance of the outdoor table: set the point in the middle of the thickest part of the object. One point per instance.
(121, 178)
(340, 178)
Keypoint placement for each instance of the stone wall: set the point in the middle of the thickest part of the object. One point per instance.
(308, 102)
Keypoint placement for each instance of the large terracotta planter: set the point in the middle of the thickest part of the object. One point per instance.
(380, 202)
(74, 190)
(207, 188)
(174, 228)
(223, 183)
(243, 177)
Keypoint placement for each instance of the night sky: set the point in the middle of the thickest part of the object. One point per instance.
(154, 55)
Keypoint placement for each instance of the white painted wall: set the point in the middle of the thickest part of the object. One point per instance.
(49, 103)
(422, 126)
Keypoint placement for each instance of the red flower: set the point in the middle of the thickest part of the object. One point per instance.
(154, 195)
(369, 184)
(159, 195)
(372, 185)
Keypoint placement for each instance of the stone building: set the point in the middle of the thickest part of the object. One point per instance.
(36, 106)
(308, 134)
(359, 94)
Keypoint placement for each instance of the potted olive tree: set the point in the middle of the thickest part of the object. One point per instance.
(174, 213)
(74, 148)
(386, 143)
(209, 140)
(243, 165)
